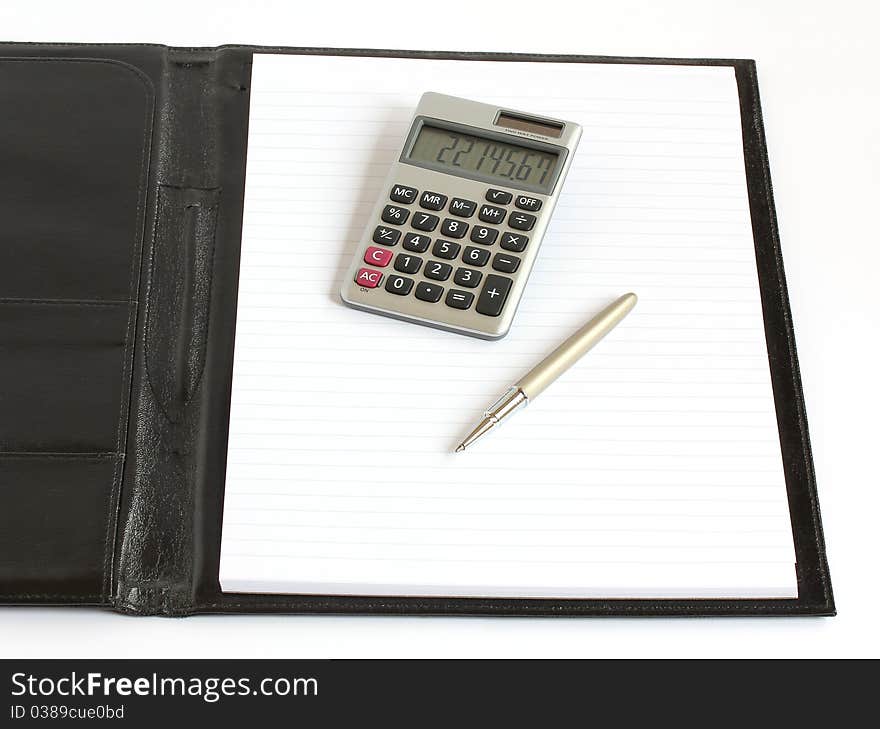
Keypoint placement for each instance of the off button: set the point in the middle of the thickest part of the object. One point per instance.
(524, 202)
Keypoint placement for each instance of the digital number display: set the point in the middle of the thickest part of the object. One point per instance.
(487, 159)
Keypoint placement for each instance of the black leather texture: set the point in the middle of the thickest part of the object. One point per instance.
(121, 190)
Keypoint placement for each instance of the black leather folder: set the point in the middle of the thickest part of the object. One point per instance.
(122, 172)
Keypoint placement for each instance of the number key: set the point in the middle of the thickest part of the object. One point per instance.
(407, 264)
(484, 235)
(424, 221)
(394, 215)
(475, 256)
(446, 249)
(468, 277)
(438, 271)
(454, 228)
(415, 242)
(400, 285)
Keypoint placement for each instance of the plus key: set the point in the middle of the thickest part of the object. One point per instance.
(493, 295)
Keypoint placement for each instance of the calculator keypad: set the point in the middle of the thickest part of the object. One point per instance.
(493, 295)
(485, 293)
(377, 256)
(400, 285)
(425, 221)
(394, 214)
(438, 271)
(454, 228)
(386, 236)
(429, 292)
(484, 235)
(432, 200)
(403, 194)
(462, 208)
(446, 249)
(468, 277)
(491, 214)
(407, 264)
(416, 243)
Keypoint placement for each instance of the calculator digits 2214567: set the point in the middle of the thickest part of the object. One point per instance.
(454, 235)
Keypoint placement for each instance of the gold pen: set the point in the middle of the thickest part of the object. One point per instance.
(551, 367)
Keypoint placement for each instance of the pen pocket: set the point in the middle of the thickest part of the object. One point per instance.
(179, 295)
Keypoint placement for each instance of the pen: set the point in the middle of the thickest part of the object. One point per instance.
(551, 367)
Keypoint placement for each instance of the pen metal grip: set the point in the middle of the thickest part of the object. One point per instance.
(575, 347)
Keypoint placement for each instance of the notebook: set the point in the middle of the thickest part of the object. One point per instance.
(650, 470)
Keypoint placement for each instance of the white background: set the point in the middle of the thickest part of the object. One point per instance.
(819, 89)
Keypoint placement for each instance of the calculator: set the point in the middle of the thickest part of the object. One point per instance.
(455, 232)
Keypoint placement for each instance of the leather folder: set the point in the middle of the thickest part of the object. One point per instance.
(122, 171)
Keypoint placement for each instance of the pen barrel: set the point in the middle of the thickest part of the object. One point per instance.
(575, 347)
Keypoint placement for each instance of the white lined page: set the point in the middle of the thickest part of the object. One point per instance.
(651, 469)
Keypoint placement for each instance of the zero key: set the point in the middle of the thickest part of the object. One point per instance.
(493, 295)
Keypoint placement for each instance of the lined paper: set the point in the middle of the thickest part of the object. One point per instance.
(651, 469)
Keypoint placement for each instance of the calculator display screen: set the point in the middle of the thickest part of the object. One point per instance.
(448, 150)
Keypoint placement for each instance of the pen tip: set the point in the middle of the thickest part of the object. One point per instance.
(460, 448)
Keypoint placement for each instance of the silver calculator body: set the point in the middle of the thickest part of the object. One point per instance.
(456, 230)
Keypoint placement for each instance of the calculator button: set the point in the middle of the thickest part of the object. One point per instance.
(521, 221)
(446, 249)
(377, 256)
(515, 242)
(524, 202)
(484, 235)
(468, 277)
(407, 264)
(438, 271)
(432, 200)
(368, 278)
(454, 228)
(491, 214)
(429, 292)
(395, 215)
(415, 242)
(499, 197)
(400, 285)
(504, 263)
(493, 295)
(462, 208)
(386, 236)
(459, 299)
(475, 256)
(424, 221)
(403, 194)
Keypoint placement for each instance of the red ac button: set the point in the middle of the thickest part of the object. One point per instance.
(368, 278)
